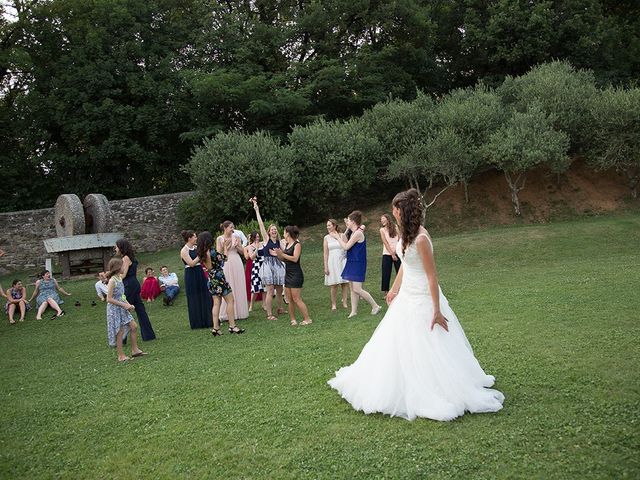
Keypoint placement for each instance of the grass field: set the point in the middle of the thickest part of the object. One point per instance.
(553, 311)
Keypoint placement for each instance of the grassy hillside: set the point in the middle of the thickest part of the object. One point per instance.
(551, 310)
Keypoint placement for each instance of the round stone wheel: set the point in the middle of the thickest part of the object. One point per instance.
(69, 216)
(97, 213)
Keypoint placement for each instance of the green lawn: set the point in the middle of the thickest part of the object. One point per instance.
(553, 311)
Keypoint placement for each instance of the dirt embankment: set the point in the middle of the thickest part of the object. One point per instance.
(546, 196)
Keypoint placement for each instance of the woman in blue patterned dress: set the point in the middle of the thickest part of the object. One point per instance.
(218, 285)
(119, 320)
(356, 266)
(47, 295)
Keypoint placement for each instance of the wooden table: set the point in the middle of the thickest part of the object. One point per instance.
(82, 248)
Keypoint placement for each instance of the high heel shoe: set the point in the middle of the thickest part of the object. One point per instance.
(216, 332)
(237, 330)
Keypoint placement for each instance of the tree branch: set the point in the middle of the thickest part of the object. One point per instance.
(437, 195)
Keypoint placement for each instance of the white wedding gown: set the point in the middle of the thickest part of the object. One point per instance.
(407, 370)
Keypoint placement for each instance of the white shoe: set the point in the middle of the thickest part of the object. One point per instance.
(351, 315)
(376, 310)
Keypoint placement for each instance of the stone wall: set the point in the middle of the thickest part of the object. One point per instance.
(149, 222)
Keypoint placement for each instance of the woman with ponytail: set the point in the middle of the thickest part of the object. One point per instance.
(418, 362)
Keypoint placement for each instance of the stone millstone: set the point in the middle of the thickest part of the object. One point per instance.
(97, 213)
(69, 216)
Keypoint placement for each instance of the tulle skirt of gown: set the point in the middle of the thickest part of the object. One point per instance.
(409, 371)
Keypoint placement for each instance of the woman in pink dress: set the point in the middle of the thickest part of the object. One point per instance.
(233, 271)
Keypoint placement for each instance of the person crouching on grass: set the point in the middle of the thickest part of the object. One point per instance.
(119, 319)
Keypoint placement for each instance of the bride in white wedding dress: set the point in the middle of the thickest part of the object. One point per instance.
(418, 362)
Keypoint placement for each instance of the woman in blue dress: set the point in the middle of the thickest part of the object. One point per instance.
(356, 267)
(132, 287)
(195, 283)
(46, 292)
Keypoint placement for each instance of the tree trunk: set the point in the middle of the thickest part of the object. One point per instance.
(634, 178)
(466, 192)
(515, 188)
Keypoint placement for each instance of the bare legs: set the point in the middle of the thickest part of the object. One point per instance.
(50, 302)
(217, 301)
(334, 295)
(295, 300)
(133, 335)
(356, 292)
(268, 300)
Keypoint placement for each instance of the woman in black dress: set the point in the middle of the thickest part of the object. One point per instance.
(294, 278)
(132, 287)
(195, 284)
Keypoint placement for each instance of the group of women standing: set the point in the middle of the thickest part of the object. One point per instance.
(345, 260)
(211, 277)
(217, 273)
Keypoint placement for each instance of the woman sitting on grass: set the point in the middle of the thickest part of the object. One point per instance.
(16, 300)
(46, 293)
(151, 286)
(119, 319)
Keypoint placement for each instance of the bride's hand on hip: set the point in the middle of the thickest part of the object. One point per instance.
(439, 319)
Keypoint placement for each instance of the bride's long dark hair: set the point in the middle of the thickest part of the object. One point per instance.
(411, 215)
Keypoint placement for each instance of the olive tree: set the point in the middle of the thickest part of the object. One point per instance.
(525, 141)
(615, 139)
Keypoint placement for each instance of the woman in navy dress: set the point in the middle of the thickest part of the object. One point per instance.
(356, 266)
(199, 300)
(132, 287)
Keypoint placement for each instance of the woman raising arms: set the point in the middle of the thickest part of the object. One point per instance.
(272, 271)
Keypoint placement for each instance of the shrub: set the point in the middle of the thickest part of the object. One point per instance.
(615, 139)
(333, 160)
(465, 119)
(229, 168)
(525, 141)
(562, 92)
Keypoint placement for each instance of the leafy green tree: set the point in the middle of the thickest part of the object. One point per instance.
(564, 94)
(334, 160)
(101, 100)
(465, 119)
(615, 133)
(393, 123)
(229, 168)
(525, 141)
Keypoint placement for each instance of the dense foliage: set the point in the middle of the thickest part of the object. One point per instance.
(113, 95)
(546, 117)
